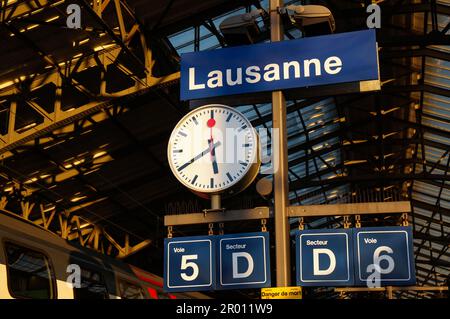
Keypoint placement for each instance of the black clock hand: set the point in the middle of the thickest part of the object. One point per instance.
(213, 157)
(198, 156)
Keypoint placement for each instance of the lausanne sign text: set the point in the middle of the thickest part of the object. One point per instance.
(330, 59)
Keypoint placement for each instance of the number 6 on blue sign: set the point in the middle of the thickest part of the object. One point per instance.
(189, 263)
(384, 256)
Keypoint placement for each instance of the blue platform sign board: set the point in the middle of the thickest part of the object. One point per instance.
(324, 257)
(391, 248)
(328, 59)
(189, 263)
(243, 261)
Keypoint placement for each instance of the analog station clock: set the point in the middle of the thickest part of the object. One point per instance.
(214, 150)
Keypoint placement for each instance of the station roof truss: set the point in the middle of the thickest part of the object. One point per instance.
(85, 116)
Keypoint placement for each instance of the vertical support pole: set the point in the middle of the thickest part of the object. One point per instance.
(389, 292)
(12, 120)
(216, 202)
(281, 190)
(58, 98)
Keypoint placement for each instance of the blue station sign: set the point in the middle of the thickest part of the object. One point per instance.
(235, 261)
(384, 256)
(189, 263)
(322, 60)
(244, 261)
(324, 257)
(372, 257)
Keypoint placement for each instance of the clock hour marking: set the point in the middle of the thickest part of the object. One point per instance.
(243, 163)
(246, 145)
(178, 151)
(212, 183)
(182, 134)
(229, 117)
(242, 128)
(229, 177)
(194, 179)
(195, 120)
(212, 114)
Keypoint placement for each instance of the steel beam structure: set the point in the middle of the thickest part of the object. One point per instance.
(72, 227)
(26, 8)
(119, 65)
(109, 62)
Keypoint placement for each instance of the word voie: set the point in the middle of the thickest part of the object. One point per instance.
(270, 72)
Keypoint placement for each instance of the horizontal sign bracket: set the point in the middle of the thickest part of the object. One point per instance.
(217, 216)
(401, 288)
(350, 209)
(321, 91)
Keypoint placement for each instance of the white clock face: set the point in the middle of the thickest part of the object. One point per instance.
(212, 148)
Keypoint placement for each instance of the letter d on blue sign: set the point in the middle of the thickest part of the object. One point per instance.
(243, 261)
(324, 257)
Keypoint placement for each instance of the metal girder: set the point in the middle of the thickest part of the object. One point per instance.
(298, 105)
(108, 63)
(397, 54)
(415, 40)
(58, 118)
(120, 8)
(193, 19)
(24, 8)
(441, 240)
(69, 226)
(417, 88)
(437, 211)
(103, 77)
(426, 218)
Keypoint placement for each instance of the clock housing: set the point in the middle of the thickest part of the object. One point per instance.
(214, 150)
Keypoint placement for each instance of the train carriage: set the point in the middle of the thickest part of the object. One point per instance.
(35, 263)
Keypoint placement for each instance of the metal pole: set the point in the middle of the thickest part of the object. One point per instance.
(216, 201)
(389, 292)
(279, 141)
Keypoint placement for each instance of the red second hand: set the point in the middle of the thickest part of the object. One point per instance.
(211, 123)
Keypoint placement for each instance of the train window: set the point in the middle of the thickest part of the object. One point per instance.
(130, 291)
(29, 273)
(92, 286)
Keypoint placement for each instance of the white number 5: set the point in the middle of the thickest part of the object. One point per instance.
(185, 263)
